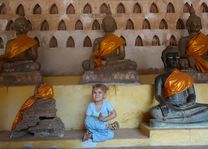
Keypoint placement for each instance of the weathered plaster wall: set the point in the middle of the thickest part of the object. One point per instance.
(63, 60)
(130, 101)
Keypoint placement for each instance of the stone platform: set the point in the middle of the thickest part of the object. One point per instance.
(128, 76)
(20, 78)
(169, 125)
(175, 136)
(199, 77)
(73, 139)
(125, 137)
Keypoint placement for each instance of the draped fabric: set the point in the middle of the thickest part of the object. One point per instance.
(177, 82)
(19, 45)
(197, 47)
(44, 92)
(107, 46)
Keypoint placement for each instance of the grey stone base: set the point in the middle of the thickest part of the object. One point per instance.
(127, 76)
(20, 78)
(163, 125)
(198, 77)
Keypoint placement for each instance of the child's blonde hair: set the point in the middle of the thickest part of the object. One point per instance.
(103, 87)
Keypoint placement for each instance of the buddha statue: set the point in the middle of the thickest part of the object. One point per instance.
(193, 47)
(174, 90)
(21, 52)
(108, 52)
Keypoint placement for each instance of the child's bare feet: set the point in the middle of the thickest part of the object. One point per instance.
(114, 126)
(87, 136)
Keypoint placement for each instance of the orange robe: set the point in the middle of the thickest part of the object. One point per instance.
(107, 46)
(177, 82)
(44, 92)
(18, 46)
(198, 46)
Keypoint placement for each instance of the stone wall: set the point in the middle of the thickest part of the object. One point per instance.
(66, 29)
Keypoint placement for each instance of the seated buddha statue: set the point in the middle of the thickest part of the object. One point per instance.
(194, 47)
(108, 51)
(21, 52)
(174, 90)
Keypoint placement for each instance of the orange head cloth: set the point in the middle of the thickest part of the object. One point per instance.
(44, 91)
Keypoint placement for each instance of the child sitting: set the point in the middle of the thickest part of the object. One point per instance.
(99, 112)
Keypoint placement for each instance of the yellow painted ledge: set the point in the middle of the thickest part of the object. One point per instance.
(176, 136)
(72, 143)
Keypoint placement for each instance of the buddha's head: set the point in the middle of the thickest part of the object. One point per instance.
(109, 23)
(171, 57)
(22, 25)
(193, 23)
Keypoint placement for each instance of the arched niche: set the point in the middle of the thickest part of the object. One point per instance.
(123, 39)
(155, 41)
(138, 41)
(180, 24)
(44, 26)
(37, 9)
(87, 8)
(1, 43)
(204, 8)
(20, 10)
(170, 8)
(172, 41)
(129, 24)
(163, 24)
(186, 8)
(87, 42)
(153, 8)
(70, 42)
(30, 25)
(95, 25)
(120, 8)
(104, 8)
(53, 43)
(78, 25)
(10, 26)
(146, 24)
(70, 9)
(3, 9)
(54, 9)
(36, 38)
(62, 25)
(137, 8)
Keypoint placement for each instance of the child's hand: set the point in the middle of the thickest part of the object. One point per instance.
(100, 117)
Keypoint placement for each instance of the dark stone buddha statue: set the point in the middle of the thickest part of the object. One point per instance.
(174, 90)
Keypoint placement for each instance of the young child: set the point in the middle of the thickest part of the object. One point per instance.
(99, 112)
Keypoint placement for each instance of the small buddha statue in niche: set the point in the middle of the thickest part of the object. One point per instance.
(174, 90)
(194, 47)
(109, 51)
(21, 52)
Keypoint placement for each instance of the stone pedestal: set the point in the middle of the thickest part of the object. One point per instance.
(175, 136)
(163, 125)
(124, 76)
(198, 77)
(20, 78)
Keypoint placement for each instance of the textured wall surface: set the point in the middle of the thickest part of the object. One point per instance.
(130, 101)
(66, 29)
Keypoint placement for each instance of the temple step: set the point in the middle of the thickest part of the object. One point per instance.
(73, 139)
